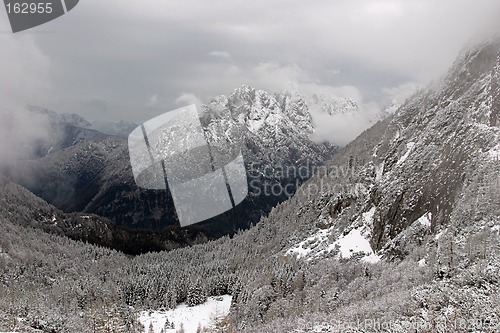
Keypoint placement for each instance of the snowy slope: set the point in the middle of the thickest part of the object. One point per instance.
(203, 315)
(431, 207)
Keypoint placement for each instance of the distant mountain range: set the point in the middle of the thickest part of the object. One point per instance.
(85, 167)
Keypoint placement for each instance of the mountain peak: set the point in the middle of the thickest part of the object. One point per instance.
(334, 104)
(60, 118)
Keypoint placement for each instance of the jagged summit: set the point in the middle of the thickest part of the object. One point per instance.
(333, 104)
(254, 108)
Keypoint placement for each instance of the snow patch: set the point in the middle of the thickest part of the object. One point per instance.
(304, 248)
(368, 217)
(254, 125)
(494, 153)
(190, 318)
(372, 258)
(352, 243)
(409, 148)
(379, 171)
(347, 245)
(425, 219)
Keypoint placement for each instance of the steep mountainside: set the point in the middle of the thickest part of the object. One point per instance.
(421, 189)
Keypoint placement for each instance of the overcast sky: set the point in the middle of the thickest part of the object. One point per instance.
(133, 60)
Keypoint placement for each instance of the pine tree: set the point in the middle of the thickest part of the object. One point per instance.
(195, 295)
(168, 325)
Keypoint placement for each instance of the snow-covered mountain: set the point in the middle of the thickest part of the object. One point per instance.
(273, 129)
(333, 104)
(60, 118)
(398, 233)
(121, 128)
(427, 156)
(90, 171)
(420, 191)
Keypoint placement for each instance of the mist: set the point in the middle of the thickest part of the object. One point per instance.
(141, 61)
(21, 133)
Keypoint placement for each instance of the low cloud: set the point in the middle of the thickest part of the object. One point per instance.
(398, 94)
(152, 100)
(338, 128)
(347, 48)
(24, 72)
(186, 99)
(342, 127)
(220, 54)
(21, 133)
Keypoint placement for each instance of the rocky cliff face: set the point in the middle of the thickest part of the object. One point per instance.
(274, 129)
(400, 226)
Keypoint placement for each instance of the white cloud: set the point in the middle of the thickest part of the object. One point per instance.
(340, 128)
(399, 94)
(220, 54)
(347, 48)
(24, 72)
(20, 130)
(186, 99)
(274, 76)
(232, 70)
(152, 100)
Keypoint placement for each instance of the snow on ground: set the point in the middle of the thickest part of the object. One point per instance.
(379, 171)
(354, 242)
(409, 148)
(190, 317)
(368, 217)
(422, 263)
(494, 152)
(425, 219)
(303, 248)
